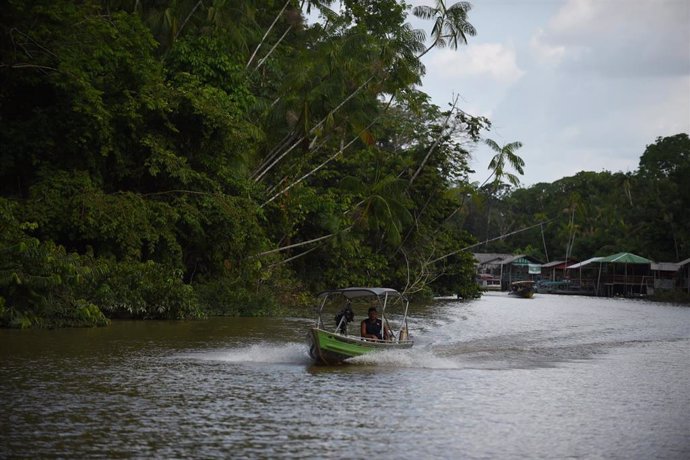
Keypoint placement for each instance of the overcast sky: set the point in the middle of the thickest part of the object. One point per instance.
(585, 85)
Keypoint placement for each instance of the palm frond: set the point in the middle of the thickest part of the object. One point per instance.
(424, 12)
(493, 145)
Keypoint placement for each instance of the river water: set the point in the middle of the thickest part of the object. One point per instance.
(499, 377)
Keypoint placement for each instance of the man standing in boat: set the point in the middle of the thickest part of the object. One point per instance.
(372, 326)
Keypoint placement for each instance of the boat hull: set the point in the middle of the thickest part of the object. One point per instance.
(330, 348)
(524, 293)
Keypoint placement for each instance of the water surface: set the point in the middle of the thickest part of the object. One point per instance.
(500, 377)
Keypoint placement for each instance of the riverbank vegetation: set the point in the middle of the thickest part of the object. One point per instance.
(184, 159)
(181, 159)
(599, 213)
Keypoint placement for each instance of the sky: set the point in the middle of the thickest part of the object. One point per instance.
(584, 85)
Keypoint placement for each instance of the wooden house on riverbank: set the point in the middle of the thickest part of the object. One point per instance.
(555, 271)
(665, 275)
(507, 268)
(622, 274)
(672, 276)
(582, 276)
(683, 276)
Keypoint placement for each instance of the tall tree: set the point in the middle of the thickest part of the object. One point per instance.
(663, 172)
(499, 172)
(505, 156)
(450, 24)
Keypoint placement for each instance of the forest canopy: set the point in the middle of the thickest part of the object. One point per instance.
(601, 213)
(180, 159)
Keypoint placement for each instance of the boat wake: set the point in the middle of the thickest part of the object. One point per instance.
(297, 353)
(263, 353)
(461, 355)
(432, 351)
(496, 352)
(416, 358)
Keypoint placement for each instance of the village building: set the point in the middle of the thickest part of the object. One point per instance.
(665, 276)
(554, 271)
(620, 274)
(504, 269)
(682, 276)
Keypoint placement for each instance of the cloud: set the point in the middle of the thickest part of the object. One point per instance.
(493, 60)
(619, 38)
(585, 85)
(545, 52)
(568, 123)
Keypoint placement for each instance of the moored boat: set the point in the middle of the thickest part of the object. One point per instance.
(337, 343)
(523, 289)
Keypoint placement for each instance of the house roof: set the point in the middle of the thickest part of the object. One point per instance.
(665, 267)
(552, 264)
(625, 258)
(488, 257)
(585, 262)
(512, 259)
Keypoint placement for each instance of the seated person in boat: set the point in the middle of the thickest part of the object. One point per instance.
(372, 327)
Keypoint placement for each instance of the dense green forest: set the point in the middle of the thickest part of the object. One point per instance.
(597, 214)
(180, 159)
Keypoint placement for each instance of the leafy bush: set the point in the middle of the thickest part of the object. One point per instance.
(144, 290)
(43, 285)
(224, 297)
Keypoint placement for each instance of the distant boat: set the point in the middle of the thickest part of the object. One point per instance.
(335, 344)
(523, 289)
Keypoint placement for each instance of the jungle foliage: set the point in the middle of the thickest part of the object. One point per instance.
(178, 159)
(175, 159)
(600, 213)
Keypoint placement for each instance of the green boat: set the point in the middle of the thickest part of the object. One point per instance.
(524, 289)
(334, 345)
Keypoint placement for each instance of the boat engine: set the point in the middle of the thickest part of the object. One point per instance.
(344, 316)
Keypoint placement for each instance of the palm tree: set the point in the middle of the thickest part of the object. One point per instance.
(497, 165)
(383, 208)
(450, 24)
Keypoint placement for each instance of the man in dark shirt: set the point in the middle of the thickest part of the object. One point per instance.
(372, 327)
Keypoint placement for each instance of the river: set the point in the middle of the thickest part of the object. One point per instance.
(499, 377)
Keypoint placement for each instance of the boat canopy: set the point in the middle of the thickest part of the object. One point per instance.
(357, 292)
